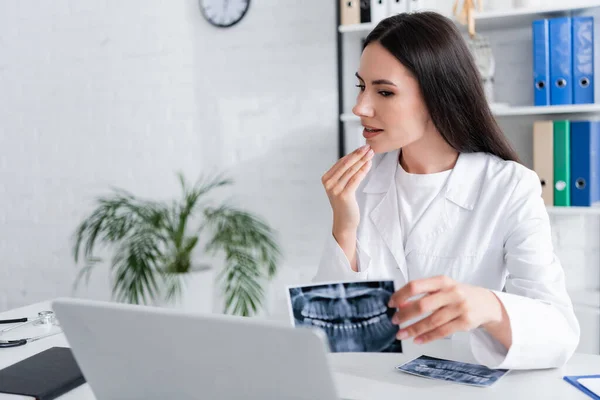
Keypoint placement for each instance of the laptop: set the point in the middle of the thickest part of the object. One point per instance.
(140, 352)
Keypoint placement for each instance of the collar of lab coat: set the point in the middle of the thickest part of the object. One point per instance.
(462, 189)
(463, 186)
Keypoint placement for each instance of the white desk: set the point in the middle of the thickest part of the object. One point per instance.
(372, 375)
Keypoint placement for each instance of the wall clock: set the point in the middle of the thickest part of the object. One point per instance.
(224, 13)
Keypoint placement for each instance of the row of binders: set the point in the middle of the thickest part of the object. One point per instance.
(563, 60)
(566, 157)
(372, 11)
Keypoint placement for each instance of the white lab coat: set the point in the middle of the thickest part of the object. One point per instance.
(488, 227)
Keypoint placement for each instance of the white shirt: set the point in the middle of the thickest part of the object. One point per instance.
(415, 193)
(489, 228)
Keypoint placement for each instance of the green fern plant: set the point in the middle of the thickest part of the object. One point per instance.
(154, 243)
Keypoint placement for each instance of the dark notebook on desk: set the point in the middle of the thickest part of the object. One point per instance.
(45, 375)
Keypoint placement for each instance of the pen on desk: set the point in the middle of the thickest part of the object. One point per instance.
(12, 321)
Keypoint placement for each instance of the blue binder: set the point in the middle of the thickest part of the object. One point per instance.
(583, 60)
(585, 163)
(541, 63)
(561, 70)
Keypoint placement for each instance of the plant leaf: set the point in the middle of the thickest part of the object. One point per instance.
(138, 228)
(136, 265)
(174, 289)
(191, 196)
(86, 271)
(251, 255)
(190, 244)
(242, 283)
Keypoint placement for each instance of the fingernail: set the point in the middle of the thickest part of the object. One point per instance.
(418, 341)
(365, 147)
(402, 335)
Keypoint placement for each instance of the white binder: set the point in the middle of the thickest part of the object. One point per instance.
(379, 10)
(416, 5)
(397, 6)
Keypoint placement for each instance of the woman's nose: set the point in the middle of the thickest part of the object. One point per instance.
(363, 108)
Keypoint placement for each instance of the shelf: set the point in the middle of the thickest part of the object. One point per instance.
(573, 210)
(501, 18)
(365, 27)
(506, 111)
(524, 16)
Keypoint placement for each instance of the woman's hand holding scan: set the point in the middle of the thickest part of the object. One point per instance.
(453, 306)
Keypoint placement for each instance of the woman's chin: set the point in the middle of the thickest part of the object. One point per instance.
(378, 147)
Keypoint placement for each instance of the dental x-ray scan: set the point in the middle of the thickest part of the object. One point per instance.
(453, 371)
(354, 315)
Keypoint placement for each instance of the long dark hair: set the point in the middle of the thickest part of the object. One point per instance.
(432, 48)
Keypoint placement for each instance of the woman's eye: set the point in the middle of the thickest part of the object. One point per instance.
(385, 94)
(362, 87)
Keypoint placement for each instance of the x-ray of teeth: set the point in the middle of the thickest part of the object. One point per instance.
(453, 371)
(354, 315)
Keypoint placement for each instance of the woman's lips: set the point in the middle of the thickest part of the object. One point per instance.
(368, 134)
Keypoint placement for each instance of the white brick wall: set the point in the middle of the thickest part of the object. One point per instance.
(101, 93)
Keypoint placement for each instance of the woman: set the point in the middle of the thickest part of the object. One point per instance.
(438, 202)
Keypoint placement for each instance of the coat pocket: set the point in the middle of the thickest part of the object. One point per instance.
(480, 269)
(421, 265)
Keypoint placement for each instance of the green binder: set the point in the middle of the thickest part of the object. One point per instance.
(562, 164)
